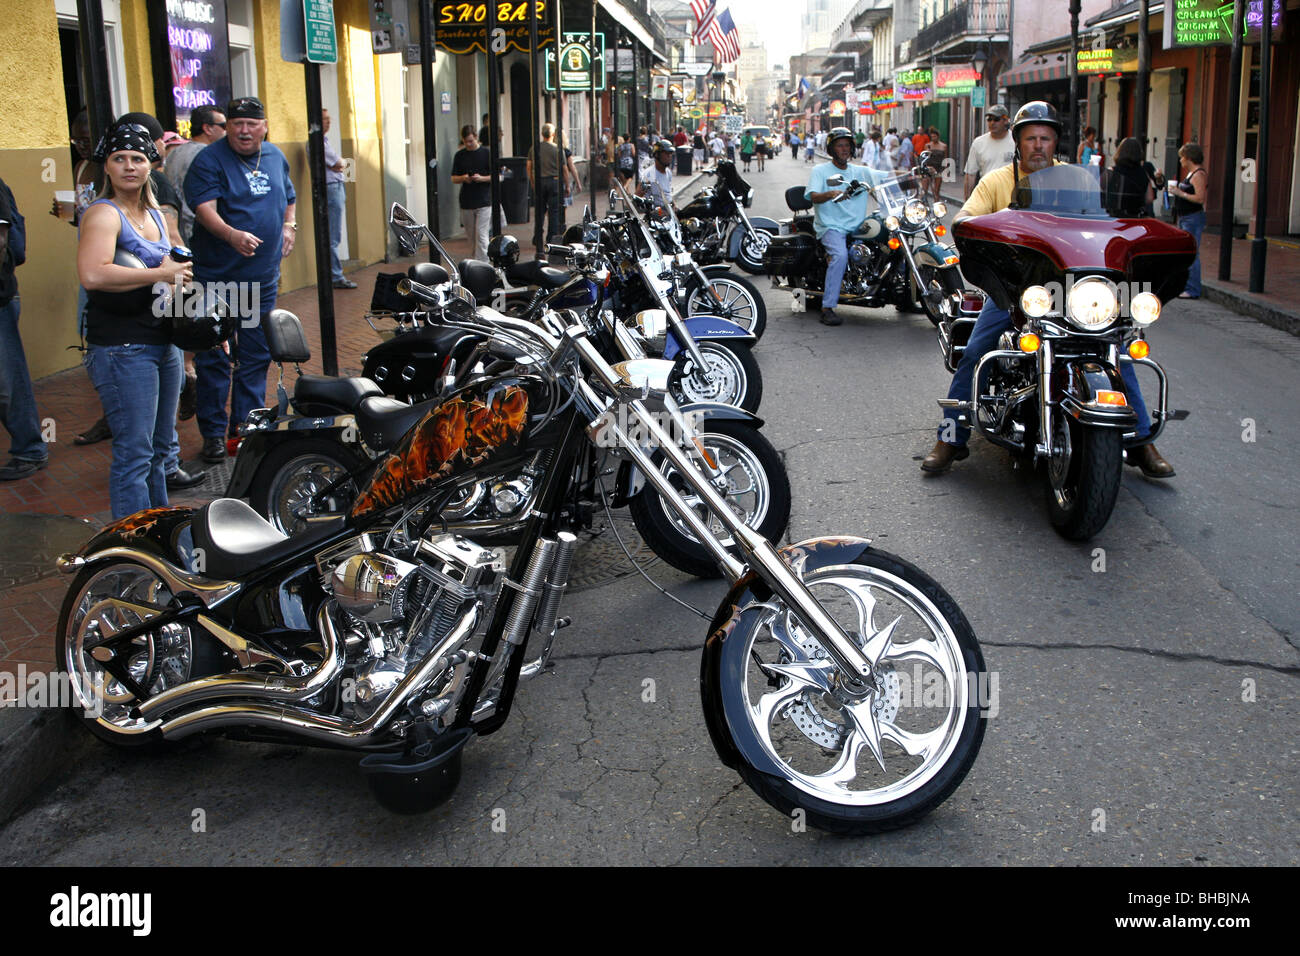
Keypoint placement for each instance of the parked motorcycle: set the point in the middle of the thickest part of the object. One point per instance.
(378, 632)
(716, 228)
(895, 256)
(297, 469)
(1082, 287)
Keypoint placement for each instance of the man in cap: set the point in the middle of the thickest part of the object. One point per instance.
(992, 149)
(657, 181)
(245, 223)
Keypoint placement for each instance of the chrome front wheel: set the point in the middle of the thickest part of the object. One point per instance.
(730, 376)
(732, 298)
(855, 756)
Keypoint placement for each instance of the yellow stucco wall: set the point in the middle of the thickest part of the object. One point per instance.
(35, 159)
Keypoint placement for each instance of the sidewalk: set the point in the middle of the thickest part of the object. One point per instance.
(59, 508)
(1278, 305)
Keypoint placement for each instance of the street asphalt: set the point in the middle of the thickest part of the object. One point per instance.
(1147, 679)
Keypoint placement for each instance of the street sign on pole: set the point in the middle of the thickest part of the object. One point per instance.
(322, 40)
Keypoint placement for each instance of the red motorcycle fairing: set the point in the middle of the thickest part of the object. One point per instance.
(1035, 248)
(482, 424)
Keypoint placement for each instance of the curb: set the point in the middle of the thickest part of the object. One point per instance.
(1248, 305)
(33, 745)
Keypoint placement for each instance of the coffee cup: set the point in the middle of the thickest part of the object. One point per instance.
(67, 202)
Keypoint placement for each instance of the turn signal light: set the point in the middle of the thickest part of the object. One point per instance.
(1105, 397)
(941, 230)
(951, 260)
(705, 453)
(1029, 342)
(893, 242)
(1139, 349)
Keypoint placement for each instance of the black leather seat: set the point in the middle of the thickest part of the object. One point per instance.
(480, 278)
(383, 421)
(537, 273)
(233, 540)
(330, 395)
(796, 200)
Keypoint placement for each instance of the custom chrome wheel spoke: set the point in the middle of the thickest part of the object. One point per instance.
(749, 501)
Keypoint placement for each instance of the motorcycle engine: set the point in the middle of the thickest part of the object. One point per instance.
(860, 268)
(396, 610)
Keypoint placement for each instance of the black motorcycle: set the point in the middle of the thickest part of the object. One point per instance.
(378, 632)
(895, 257)
(716, 228)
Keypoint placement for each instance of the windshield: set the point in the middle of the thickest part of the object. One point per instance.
(1063, 191)
(892, 192)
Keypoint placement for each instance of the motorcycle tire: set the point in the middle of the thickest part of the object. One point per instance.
(295, 471)
(751, 252)
(734, 378)
(799, 723)
(180, 654)
(757, 483)
(1082, 485)
(948, 282)
(738, 301)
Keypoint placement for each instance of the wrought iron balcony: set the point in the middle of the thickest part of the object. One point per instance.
(975, 18)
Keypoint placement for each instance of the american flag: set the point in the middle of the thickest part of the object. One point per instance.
(704, 11)
(725, 38)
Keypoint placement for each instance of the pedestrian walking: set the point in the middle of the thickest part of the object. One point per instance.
(1190, 194)
(471, 169)
(697, 148)
(543, 172)
(245, 223)
(27, 451)
(992, 150)
(1128, 188)
(747, 149)
(938, 154)
(795, 143)
(132, 363)
(336, 205)
(1088, 148)
(625, 157)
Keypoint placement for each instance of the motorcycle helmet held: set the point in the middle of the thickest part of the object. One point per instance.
(839, 132)
(503, 251)
(1035, 112)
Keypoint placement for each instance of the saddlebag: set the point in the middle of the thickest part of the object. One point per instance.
(788, 256)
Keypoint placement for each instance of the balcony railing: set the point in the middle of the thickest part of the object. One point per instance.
(974, 18)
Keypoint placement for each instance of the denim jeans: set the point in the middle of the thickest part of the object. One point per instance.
(138, 386)
(990, 325)
(837, 259)
(245, 384)
(19, 411)
(551, 203)
(336, 200)
(1195, 224)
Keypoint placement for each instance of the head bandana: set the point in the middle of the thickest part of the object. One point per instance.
(125, 136)
(247, 107)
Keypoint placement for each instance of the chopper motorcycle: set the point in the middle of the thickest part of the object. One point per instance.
(1082, 287)
(378, 633)
(296, 470)
(716, 228)
(895, 257)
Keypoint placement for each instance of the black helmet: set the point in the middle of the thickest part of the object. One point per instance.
(1035, 112)
(665, 145)
(503, 251)
(839, 132)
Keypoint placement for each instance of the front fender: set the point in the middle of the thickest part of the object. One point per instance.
(934, 254)
(721, 411)
(1080, 382)
(706, 328)
(722, 666)
(738, 233)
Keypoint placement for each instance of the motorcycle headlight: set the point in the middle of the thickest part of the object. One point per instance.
(915, 212)
(1144, 308)
(1036, 301)
(892, 223)
(940, 210)
(653, 326)
(1092, 304)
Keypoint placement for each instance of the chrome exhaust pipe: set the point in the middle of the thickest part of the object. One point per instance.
(306, 723)
(274, 687)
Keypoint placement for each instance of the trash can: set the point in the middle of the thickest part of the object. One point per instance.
(514, 189)
(684, 161)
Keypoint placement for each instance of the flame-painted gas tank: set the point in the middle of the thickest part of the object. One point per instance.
(483, 425)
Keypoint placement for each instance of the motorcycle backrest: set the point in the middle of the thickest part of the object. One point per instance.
(480, 278)
(285, 338)
(795, 199)
(428, 273)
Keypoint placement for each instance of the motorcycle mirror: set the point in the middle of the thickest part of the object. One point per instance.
(586, 214)
(836, 180)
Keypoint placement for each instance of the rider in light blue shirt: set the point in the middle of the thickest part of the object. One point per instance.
(834, 221)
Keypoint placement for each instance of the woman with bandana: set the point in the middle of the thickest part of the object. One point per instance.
(132, 363)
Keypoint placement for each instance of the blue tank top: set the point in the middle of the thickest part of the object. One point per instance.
(122, 318)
